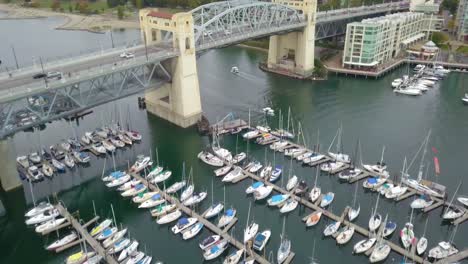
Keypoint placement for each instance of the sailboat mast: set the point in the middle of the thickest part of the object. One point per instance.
(289, 113)
(421, 165)
(316, 176)
(381, 156)
(113, 215)
(333, 141)
(355, 195)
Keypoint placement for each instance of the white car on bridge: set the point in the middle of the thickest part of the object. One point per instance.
(126, 55)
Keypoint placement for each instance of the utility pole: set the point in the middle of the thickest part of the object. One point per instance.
(14, 55)
(146, 46)
(42, 67)
(112, 38)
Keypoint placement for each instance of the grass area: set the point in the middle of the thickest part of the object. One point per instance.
(98, 5)
(463, 49)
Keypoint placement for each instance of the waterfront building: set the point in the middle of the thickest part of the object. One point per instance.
(462, 21)
(375, 41)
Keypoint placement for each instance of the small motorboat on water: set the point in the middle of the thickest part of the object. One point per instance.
(125, 139)
(268, 111)
(170, 217)
(223, 170)
(239, 157)
(380, 168)
(108, 145)
(45, 226)
(69, 161)
(141, 163)
(35, 158)
(227, 217)
(45, 215)
(98, 148)
(233, 175)
(209, 241)
(134, 135)
(63, 241)
(234, 69)
(251, 134)
(349, 174)
(216, 250)
(40, 208)
(465, 99)
(255, 167)
(266, 171)
(117, 142)
(261, 239)
(374, 182)
(58, 165)
(81, 157)
(277, 199)
(234, 257)
(183, 224)
(442, 250)
(192, 231)
(99, 228)
(275, 174)
(254, 186)
(210, 159)
(313, 218)
(340, 157)
(422, 202)
(36, 175)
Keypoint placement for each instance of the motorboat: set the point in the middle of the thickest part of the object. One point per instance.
(81, 157)
(289, 206)
(452, 213)
(396, 192)
(177, 186)
(380, 168)
(255, 167)
(125, 139)
(442, 250)
(301, 188)
(141, 163)
(216, 250)
(133, 135)
(209, 241)
(234, 70)
(261, 239)
(251, 134)
(313, 218)
(192, 231)
(42, 217)
(183, 224)
(407, 235)
(35, 158)
(210, 159)
(115, 238)
(187, 192)
(327, 199)
(353, 213)
(349, 174)
(374, 221)
(421, 246)
(263, 129)
(364, 245)
(407, 91)
(265, 139)
(331, 167)
(397, 82)
(419, 68)
(213, 210)
(384, 188)
(275, 174)
(239, 157)
(170, 217)
(340, 157)
(277, 199)
(222, 153)
(195, 199)
(65, 146)
(465, 99)
(86, 138)
(99, 148)
(380, 252)
(113, 175)
(36, 174)
(314, 158)
(268, 111)
(344, 235)
(119, 181)
(58, 165)
(331, 228)
(79, 257)
(374, 182)
(63, 241)
(117, 142)
(163, 176)
(45, 226)
(292, 183)
(108, 146)
(128, 251)
(155, 200)
(162, 209)
(106, 233)
(422, 202)
(250, 232)
(69, 161)
(128, 185)
(262, 192)
(294, 152)
(234, 257)
(315, 193)
(266, 171)
(254, 186)
(222, 171)
(40, 208)
(119, 246)
(142, 197)
(136, 257)
(99, 228)
(283, 251)
(56, 153)
(134, 191)
(233, 175)
(389, 228)
(227, 217)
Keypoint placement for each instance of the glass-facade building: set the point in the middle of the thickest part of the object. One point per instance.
(462, 20)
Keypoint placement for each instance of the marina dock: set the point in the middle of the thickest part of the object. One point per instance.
(209, 225)
(81, 229)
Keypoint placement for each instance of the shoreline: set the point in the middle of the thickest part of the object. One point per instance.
(90, 23)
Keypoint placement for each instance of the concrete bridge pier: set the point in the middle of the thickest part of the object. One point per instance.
(179, 100)
(9, 175)
(294, 52)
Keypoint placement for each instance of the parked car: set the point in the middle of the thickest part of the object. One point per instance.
(127, 55)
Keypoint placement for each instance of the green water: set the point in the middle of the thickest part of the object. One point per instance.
(367, 109)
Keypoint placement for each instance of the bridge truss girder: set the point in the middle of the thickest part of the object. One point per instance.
(28, 112)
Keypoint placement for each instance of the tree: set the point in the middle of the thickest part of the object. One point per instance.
(193, 3)
(450, 5)
(139, 4)
(120, 12)
(439, 38)
(70, 8)
(55, 5)
(451, 25)
(83, 6)
(160, 3)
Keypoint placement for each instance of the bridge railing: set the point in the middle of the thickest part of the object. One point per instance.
(52, 63)
(39, 86)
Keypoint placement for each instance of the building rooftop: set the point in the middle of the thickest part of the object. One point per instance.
(388, 18)
(160, 14)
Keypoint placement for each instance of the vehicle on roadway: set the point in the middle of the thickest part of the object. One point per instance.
(127, 55)
(39, 75)
(54, 74)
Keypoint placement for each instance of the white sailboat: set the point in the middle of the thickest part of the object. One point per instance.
(251, 229)
(354, 210)
(315, 192)
(422, 242)
(285, 246)
(375, 219)
(338, 155)
(453, 212)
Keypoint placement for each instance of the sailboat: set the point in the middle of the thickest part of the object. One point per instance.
(354, 211)
(314, 218)
(453, 212)
(251, 230)
(345, 235)
(315, 192)
(215, 208)
(380, 168)
(399, 189)
(312, 259)
(444, 248)
(381, 250)
(338, 155)
(292, 181)
(422, 242)
(407, 233)
(375, 219)
(285, 246)
(228, 215)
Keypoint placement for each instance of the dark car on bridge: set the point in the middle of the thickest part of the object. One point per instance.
(39, 75)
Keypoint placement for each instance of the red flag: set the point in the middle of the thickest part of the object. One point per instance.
(434, 150)
(436, 166)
